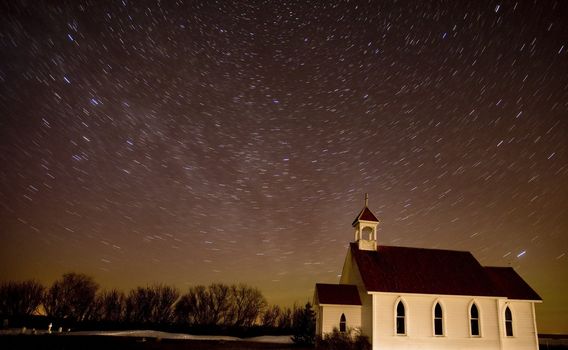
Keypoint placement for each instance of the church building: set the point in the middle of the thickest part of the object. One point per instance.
(417, 298)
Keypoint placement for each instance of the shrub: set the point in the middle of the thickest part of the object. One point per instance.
(350, 340)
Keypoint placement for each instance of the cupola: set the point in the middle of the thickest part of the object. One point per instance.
(365, 225)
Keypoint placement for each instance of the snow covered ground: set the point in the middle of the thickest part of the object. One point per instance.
(153, 334)
(283, 339)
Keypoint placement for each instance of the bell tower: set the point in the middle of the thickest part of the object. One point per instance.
(365, 225)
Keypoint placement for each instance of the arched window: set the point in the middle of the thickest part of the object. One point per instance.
(400, 318)
(367, 233)
(438, 320)
(508, 322)
(474, 320)
(342, 324)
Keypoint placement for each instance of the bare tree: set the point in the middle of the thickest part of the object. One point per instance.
(220, 302)
(194, 307)
(137, 305)
(271, 316)
(286, 318)
(164, 300)
(20, 298)
(153, 304)
(247, 305)
(279, 317)
(110, 306)
(221, 305)
(71, 297)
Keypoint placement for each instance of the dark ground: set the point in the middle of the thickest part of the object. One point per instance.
(553, 341)
(65, 342)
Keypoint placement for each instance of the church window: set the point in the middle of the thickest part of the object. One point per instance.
(400, 318)
(508, 322)
(438, 320)
(342, 324)
(474, 320)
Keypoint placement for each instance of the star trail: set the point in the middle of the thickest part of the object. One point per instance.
(225, 141)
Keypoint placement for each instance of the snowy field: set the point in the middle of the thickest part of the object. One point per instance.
(284, 339)
(136, 340)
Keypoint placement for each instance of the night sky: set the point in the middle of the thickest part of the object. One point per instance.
(220, 141)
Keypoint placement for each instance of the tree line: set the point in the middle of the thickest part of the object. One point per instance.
(76, 298)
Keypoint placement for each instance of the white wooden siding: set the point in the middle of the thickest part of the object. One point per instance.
(351, 275)
(331, 314)
(419, 323)
(524, 331)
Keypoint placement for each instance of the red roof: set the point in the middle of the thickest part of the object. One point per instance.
(435, 271)
(366, 215)
(339, 294)
(510, 284)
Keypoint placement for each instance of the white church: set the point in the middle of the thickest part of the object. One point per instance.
(416, 298)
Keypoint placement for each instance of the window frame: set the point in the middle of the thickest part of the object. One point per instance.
(441, 319)
(343, 323)
(508, 322)
(404, 317)
(477, 319)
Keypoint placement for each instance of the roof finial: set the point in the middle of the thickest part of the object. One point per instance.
(366, 199)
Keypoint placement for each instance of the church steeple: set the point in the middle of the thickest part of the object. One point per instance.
(365, 225)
